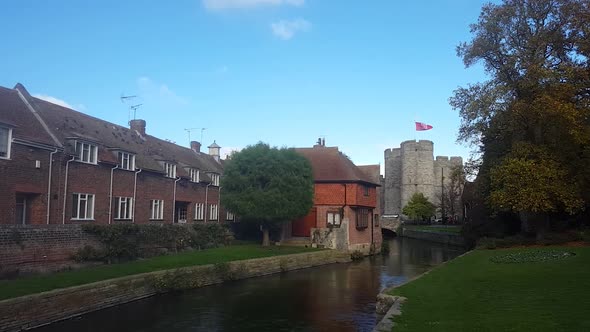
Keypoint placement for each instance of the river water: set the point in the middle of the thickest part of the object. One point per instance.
(338, 297)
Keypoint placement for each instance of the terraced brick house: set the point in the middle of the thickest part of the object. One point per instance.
(60, 166)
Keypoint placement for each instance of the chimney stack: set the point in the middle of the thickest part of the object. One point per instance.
(196, 146)
(138, 125)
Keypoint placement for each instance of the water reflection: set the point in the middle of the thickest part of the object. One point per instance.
(332, 298)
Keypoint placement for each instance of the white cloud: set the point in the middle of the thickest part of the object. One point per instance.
(241, 4)
(54, 100)
(157, 93)
(285, 29)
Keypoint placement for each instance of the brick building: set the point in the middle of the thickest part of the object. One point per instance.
(345, 214)
(60, 166)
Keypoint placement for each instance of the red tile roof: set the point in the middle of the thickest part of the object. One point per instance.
(331, 165)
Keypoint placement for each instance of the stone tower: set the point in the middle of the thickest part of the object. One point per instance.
(411, 168)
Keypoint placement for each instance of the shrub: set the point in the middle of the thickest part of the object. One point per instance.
(123, 242)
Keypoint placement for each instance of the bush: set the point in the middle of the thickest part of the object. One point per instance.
(122, 242)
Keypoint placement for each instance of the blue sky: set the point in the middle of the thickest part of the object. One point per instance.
(280, 71)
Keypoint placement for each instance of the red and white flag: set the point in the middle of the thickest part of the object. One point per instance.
(422, 126)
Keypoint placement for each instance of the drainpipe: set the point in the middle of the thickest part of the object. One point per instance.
(218, 204)
(63, 220)
(174, 200)
(49, 184)
(206, 205)
(111, 194)
(134, 194)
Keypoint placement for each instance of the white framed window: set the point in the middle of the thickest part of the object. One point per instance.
(86, 152)
(123, 208)
(156, 209)
(213, 212)
(195, 175)
(229, 216)
(126, 161)
(170, 170)
(215, 179)
(5, 142)
(199, 211)
(83, 206)
(333, 219)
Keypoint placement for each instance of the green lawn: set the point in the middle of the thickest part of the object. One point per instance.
(471, 293)
(432, 228)
(37, 284)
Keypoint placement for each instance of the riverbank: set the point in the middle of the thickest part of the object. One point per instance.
(449, 235)
(521, 289)
(47, 282)
(43, 308)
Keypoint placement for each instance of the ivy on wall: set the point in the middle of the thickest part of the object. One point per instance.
(124, 242)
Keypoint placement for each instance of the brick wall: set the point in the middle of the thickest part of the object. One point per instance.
(34, 310)
(40, 247)
(19, 176)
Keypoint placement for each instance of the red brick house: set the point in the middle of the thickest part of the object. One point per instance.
(60, 166)
(345, 212)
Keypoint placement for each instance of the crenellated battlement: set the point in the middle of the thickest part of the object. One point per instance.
(413, 168)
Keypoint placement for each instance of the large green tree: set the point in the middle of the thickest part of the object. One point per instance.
(530, 120)
(267, 186)
(419, 208)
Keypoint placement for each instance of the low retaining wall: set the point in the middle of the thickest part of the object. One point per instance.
(31, 311)
(40, 248)
(439, 237)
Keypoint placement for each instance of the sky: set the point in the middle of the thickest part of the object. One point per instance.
(284, 72)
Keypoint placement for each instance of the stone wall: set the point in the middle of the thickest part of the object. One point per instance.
(39, 309)
(412, 169)
(438, 237)
(40, 248)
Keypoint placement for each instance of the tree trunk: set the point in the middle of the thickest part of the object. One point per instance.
(265, 237)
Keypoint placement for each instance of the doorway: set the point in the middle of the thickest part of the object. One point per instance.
(21, 213)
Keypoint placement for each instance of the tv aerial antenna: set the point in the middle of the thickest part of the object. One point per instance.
(133, 107)
(189, 130)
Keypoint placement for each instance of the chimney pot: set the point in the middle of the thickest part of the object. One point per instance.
(138, 125)
(196, 146)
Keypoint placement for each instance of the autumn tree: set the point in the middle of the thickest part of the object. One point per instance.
(419, 208)
(530, 120)
(267, 186)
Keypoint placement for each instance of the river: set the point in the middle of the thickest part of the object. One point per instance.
(338, 297)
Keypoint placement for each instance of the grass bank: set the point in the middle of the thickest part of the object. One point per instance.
(434, 228)
(42, 283)
(474, 293)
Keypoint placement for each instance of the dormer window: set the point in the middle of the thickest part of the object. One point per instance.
(5, 139)
(86, 152)
(194, 174)
(215, 179)
(127, 161)
(170, 170)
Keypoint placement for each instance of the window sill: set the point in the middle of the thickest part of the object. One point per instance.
(4, 158)
(117, 219)
(162, 219)
(78, 219)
